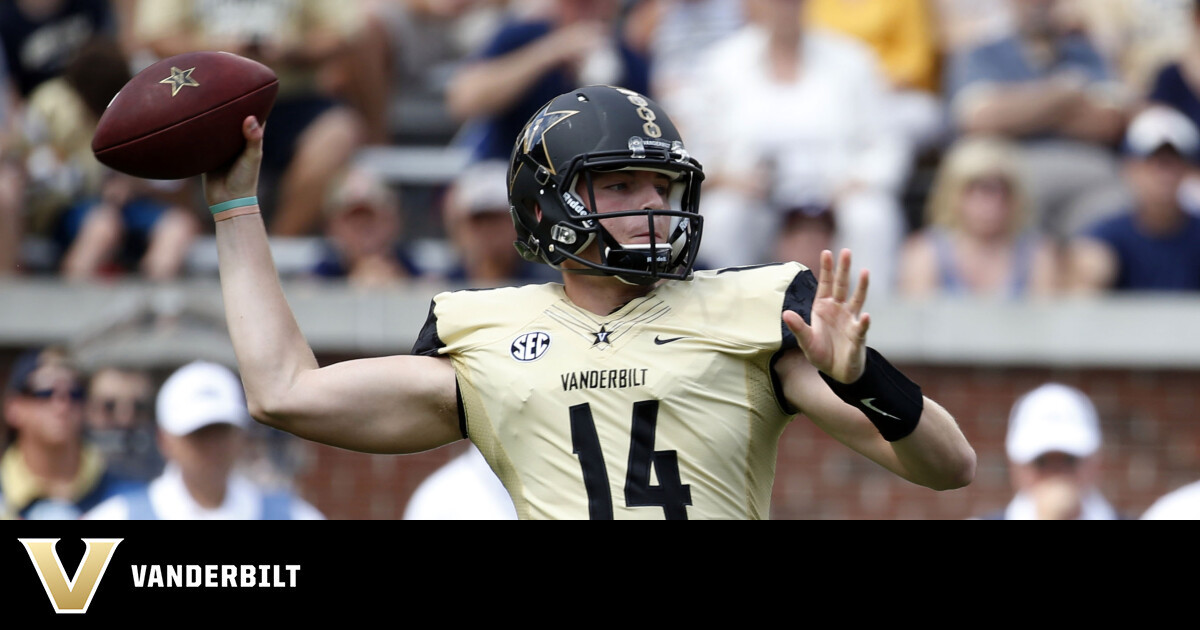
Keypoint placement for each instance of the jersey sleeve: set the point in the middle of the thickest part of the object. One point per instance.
(428, 343)
(798, 297)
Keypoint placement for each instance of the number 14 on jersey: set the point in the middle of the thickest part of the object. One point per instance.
(670, 494)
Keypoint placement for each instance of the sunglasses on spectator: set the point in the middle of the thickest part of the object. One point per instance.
(993, 185)
(1060, 461)
(109, 405)
(77, 394)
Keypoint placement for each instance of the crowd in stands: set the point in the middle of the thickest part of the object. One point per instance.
(981, 147)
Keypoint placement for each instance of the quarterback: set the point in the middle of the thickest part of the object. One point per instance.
(638, 387)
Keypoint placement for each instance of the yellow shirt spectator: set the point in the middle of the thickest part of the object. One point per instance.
(901, 32)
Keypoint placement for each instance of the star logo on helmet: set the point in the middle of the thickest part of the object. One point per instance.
(535, 133)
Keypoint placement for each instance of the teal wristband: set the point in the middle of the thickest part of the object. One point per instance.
(233, 205)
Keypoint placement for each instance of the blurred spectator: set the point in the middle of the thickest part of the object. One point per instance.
(312, 135)
(1177, 84)
(674, 33)
(202, 422)
(119, 420)
(480, 227)
(101, 220)
(532, 60)
(1155, 245)
(1054, 455)
(463, 489)
(903, 35)
(49, 471)
(1050, 89)
(809, 108)
(363, 229)
(38, 38)
(979, 238)
(805, 230)
(1139, 36)
(1181, 504)
(966, 24)
(6, 99)
(424, 42)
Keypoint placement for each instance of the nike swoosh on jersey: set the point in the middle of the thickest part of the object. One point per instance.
(867, 403)
(663, 342)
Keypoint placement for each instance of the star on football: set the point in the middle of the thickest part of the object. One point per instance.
(180, 79)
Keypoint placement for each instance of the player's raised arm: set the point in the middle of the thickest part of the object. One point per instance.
(855, 395)
(383, 405)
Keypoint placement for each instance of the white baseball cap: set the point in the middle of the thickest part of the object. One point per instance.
(1158, 126)
(483, 187)
(199, 394)
(1052, 418)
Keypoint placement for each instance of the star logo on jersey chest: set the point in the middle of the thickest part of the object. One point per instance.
(180, 79)
(601, 336)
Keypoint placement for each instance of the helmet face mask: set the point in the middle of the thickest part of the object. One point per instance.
(602, 129)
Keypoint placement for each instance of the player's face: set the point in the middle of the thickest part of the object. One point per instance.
(631, 190)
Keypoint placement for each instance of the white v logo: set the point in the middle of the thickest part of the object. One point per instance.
(74, 595)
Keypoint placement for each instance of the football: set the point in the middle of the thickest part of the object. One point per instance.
(182, 116)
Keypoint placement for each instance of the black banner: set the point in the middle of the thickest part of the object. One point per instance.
(229, 571)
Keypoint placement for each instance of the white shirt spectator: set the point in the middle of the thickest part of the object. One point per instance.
(171, 501)
(1182, 504)
(828, 135)
(464, 489)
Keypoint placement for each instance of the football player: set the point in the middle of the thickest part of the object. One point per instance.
(638, 388)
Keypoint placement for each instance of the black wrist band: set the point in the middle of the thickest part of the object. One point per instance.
(891, 401)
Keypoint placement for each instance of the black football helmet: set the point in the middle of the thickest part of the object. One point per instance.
(602, 128)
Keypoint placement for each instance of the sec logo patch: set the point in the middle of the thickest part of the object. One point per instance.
(530, 346)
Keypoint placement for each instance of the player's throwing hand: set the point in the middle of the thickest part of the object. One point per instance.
(240, 179)
(836, 341)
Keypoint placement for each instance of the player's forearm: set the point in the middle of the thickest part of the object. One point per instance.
(936, 454)
(271, 350)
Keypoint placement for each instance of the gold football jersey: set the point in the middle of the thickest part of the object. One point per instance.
(665, 408)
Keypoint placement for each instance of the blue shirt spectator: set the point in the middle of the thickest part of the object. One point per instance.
(1048, 88)
(1171, 88)
(1155, 244)
(1006, 61)
(1153, 262)
(499, 120)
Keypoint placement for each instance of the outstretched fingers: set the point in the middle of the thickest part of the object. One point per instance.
(825, 276)
(860, 292)
(841, 276)
(861, 325)
(799, 328)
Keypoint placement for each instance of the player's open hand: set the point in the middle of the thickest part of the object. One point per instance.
(240, 179)
(836, 340)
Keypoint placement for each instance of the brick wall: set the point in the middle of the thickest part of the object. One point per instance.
(1152, 445)
(1149, 420)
